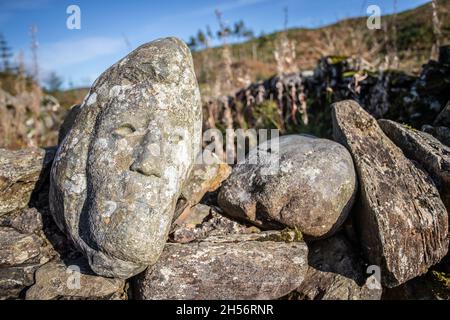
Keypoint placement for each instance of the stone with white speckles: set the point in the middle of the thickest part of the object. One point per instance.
(402, 222)
(336, 272)
(235, 267)
(426, 150)
(21, 173)
(313, 189)
(119, 171)
(73, 280)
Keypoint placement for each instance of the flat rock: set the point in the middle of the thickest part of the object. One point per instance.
(231, 267)
(204, 221)
(120, 169)
(13, 280)
(72, 280)
(20, 171)
(426, 150)
(23, 249)
(312, 190)
(17, 248)
(402, 222)
(25, 221)
(336, 272)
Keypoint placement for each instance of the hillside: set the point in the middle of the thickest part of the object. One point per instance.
(254, 59)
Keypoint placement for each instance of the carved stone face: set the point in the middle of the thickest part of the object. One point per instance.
(138, 160)
(119, 172)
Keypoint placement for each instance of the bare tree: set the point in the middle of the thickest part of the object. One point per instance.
(21, 83)
(127, 42)
(436, 30)
(53, 82)
(5, 53)
(285, 53)
(394, 38)
(286, 18)
(226, 75)
(303, 105)
(192, 44)
(34, 52)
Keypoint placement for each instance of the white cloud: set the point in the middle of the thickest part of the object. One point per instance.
(66, 53)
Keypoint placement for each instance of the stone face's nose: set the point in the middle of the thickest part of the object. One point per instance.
(148, 161)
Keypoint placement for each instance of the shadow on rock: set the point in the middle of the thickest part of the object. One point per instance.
(40, 201)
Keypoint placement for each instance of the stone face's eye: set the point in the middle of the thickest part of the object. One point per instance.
(124, 130)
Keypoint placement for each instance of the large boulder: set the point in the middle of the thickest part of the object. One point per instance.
(232, 267)
(312, 190)
(119, 171)
(402, 222)
(20, 172)
(336, 272)
(426, 150)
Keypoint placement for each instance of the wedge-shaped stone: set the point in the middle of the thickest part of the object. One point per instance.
(402, 221)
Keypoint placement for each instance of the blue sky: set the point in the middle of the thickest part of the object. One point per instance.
(107, 26)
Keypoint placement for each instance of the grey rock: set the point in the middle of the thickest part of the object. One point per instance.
(72, 280)
(204, 221)
(336, 272)
(313, 189)
(285, 235)
(17, 248)
(25, 221)
(197, 215)
(426, 287)
(68, 122)
(426, 150)
(119, 171)
(23, 249)
(232, 267)
(14, 280)
(402, 221)
(20, 171)
(206, 176)
(440, 133)
(443, 119)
